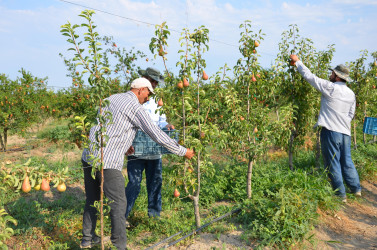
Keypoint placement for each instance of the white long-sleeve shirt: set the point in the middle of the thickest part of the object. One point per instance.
(338, 102)
(159, 119)
(128, 116)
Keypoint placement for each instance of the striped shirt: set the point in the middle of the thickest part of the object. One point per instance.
(128, 116)
(337, 102)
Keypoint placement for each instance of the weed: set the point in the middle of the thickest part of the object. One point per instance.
(55, 134)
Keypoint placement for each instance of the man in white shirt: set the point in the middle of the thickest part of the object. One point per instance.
(338, 104)
(151, 164)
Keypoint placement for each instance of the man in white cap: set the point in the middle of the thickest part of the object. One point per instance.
(151, 164)
(128, 116)
(338, 104)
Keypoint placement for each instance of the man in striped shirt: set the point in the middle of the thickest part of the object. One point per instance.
(128, 116)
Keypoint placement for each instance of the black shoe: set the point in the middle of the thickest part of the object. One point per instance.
(86, 244)
(128, 225)
(96, 240)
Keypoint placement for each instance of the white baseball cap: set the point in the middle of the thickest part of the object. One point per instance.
(142, 83)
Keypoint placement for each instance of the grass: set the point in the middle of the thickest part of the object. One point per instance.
(281, 212)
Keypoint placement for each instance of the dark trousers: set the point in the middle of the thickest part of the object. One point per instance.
(336, 152)
(153, 174)
(114, 190)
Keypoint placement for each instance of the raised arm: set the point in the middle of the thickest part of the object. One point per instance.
(322, 85)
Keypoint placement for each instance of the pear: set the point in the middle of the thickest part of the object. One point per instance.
(61, 187)
(161, 51)
(26, 185)
(160, 103)
(205, 76)
(176, 193)
(253, 78)
(185, 82)
(180, 85)
(45, 185)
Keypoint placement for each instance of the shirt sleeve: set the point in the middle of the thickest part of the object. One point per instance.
(143, 121)
(324, 86)
(351, 114)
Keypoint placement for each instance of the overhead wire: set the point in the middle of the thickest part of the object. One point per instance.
(148, 23)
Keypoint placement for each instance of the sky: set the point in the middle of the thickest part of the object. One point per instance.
(30, 35)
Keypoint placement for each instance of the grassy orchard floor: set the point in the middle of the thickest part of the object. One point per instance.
(284, 208)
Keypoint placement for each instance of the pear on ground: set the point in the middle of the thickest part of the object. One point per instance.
(61, 187)
(45, 186)
(26, 185)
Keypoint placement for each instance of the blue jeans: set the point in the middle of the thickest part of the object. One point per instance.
(336, 152)
(153, 174)
(113, 190)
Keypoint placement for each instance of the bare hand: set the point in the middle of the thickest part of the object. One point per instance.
(130, 151)
(189, 153)
(170, 127)
(294, 59)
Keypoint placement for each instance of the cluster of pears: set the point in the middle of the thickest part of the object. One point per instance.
(44, 185)
(185, 82)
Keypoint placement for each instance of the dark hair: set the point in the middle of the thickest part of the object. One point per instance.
(342, 80)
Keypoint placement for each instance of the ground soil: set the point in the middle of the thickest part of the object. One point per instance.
(352, 227)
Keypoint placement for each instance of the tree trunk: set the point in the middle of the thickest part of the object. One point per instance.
(101, 210)
(196, 196)
(249, 175)
(354, 135)
(365, 115)
(101, 185)
(2, 143)
(183, 119)
(290, 150)
(5, 139)
(277, 114)
(196, 210)
(318, 150)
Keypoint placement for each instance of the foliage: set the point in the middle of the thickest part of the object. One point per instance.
(24, 102)
(364, 86)
(283, 207)
(188, 100)
(57, 133)
(300, 97)
(364, 158)
(5, 231)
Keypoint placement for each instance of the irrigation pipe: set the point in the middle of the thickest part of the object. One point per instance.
(163, 241)
(194, 231)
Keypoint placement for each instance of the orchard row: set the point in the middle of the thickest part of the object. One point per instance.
(243, 109)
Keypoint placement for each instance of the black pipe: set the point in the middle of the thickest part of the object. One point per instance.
(168, 238)
(205, 225)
